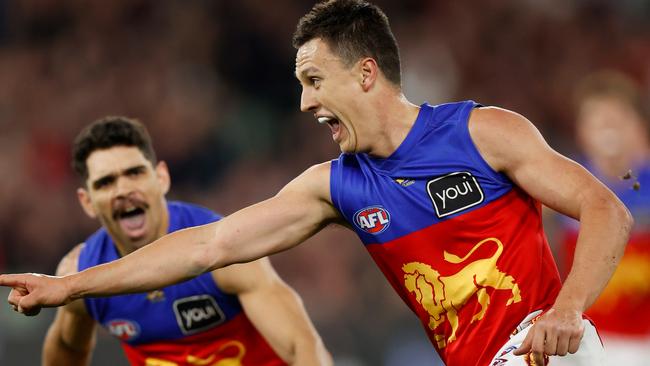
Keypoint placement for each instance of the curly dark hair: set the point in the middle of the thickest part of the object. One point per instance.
(353, 29)
(108, 132)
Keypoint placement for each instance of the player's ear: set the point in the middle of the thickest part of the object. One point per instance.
(84, 200)
(369, 72)
(162, 172)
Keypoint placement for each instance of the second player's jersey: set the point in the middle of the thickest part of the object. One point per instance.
(190, 323)
(461, 245)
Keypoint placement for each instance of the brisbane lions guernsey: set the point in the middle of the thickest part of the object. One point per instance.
(459, 242)
(190, 323)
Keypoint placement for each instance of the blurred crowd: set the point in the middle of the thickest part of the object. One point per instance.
(213, 82)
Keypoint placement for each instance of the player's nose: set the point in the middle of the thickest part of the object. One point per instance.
(308, 101)
(123, 187)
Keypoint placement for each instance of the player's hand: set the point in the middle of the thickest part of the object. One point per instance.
(556, 333)
(31, 292)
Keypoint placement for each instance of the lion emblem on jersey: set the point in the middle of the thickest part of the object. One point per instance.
(442, 297)
(231, 345)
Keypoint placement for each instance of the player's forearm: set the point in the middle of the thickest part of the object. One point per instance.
(171, 259)
(604, 231)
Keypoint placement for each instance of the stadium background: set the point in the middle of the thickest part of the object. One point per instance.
(213, 81)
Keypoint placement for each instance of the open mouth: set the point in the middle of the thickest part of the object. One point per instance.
(335, 125)
(132, 220)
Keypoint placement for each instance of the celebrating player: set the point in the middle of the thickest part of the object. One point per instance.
(216, 317)
(445, 199)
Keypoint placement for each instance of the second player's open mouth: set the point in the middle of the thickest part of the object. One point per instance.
(132, 221)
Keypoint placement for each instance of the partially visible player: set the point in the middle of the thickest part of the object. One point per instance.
(240, 315)
(613, 134)
(445, 198)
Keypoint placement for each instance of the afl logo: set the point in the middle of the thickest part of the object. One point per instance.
(373, 219)
(125, 330)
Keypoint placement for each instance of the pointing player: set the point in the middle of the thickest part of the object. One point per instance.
(457, 187)
(244, 314)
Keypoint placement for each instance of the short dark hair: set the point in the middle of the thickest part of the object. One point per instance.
(108, 132)
(353, 29)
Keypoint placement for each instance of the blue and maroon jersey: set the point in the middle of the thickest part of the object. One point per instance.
(623, 307)
(458, 241)
(190, 323)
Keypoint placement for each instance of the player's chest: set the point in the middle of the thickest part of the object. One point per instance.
(170, 313)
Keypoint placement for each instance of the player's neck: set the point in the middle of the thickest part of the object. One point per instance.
(394, 117)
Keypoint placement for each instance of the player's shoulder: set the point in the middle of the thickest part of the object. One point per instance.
(314, 182)
(489, 119)
(69, 264)
(315, 174)
(501, 128)
(502, 133)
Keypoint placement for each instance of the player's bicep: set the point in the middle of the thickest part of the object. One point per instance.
(511, 144)
(557, 182)
(299, 210)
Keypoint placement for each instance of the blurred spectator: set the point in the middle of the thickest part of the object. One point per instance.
(613, 135)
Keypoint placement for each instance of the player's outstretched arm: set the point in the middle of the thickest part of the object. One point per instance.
(511, 144)
(298, 211)
(276, 311)
(71, 337)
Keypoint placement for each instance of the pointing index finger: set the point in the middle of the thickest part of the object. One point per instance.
(11, 280)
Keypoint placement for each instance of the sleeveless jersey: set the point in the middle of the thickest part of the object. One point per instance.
(459, 242)
(624, 305)
(190, 323)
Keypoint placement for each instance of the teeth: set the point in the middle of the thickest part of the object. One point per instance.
(324, 120)
(130, 209)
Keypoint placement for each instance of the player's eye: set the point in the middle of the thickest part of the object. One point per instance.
(103, 182)
(134, 172)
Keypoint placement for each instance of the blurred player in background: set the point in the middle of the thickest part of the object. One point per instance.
(243, 314)
(446, 200)
(613, 133)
